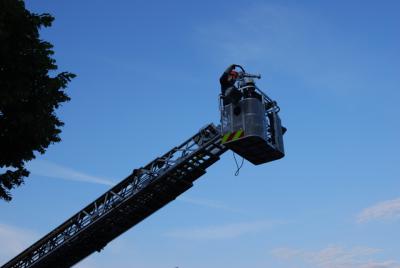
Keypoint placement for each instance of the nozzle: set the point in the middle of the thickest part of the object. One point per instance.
(258, 76)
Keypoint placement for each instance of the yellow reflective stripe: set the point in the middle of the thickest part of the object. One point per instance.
(237, 135)
(225, 137)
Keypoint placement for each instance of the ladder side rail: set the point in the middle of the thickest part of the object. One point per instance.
(127, 187)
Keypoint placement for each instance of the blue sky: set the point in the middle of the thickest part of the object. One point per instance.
(148, 78)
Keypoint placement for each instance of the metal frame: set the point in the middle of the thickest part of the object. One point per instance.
(139, 195)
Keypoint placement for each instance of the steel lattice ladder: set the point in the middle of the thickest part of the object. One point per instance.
(129, 202)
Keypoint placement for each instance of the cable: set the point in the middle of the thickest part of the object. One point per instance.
(240, 67)
(237, 165)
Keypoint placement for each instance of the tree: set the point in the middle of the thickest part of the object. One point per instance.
(29, 96)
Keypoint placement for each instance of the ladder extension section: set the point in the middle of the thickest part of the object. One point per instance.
(129, 202)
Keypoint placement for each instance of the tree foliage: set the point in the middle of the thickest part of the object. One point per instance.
(29, 96)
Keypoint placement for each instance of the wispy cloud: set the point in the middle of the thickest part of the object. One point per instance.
(13, 240)
(209, 204)
(266, 31)
(335, 257)
(227, 231)
(52, 170)
(287, 40)
(385, 210)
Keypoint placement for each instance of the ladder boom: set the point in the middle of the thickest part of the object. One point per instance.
(129, 202)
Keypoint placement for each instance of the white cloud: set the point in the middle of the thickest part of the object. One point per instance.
(389, 209)
(227, 231)
(335, 257)
(13, 240)
(51, 170)
(208, 203)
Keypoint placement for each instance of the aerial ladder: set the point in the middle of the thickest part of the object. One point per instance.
(250, 126)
